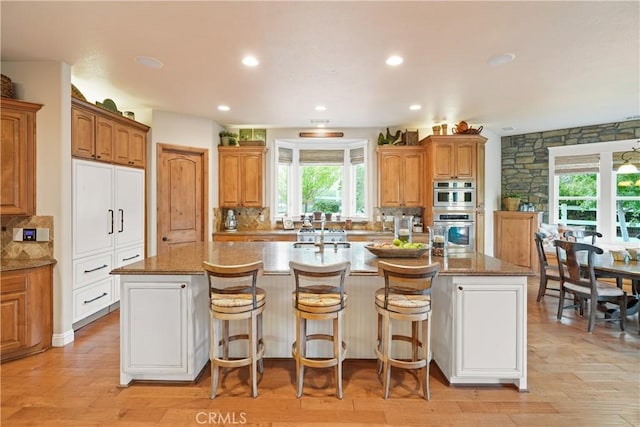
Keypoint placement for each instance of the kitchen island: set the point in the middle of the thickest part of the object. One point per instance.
(479, 332)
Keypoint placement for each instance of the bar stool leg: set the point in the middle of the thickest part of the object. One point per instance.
(380, 344)
(260, 340)
(414, 339)
(301, 335)
(426, 344)
(213, 354)
(337, 347)
(387, 352)
(253, 333)
(225, 343)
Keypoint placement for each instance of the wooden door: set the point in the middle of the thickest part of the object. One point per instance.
(121, 145)
(251, 179)
(465, 160)
(229, 172)
(137, 148)
(182, 195)
(389, 179)
(443, 162)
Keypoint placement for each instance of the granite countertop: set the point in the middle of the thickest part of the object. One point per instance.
(188, 259)
(21, 264)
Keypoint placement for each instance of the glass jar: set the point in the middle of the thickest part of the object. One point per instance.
(403, 227)
(438, 239)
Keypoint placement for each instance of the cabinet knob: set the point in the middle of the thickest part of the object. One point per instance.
(460, 288)
(165, 239)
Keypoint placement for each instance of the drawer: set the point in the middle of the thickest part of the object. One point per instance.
(92, 298)
(90, 269)
(13, 281)
(130, 255)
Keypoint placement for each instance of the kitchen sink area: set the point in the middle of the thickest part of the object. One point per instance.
(334, 245)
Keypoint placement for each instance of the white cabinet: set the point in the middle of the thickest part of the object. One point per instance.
(480, 329)
(108, 230)
(175, 305)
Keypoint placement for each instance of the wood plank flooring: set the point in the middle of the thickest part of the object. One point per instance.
(575, 379)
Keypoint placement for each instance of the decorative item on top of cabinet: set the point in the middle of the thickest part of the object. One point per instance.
(401, 176)
(240, 176)
(18, 157)
(98, 134)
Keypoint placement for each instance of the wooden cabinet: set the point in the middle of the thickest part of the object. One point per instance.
(513, 237)
(18, 157)
(401, 177)
(26, 309)
(453, 160)
(240, 176)
(108, 231)
(101, 135)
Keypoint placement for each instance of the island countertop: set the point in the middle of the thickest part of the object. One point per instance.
(187, 259)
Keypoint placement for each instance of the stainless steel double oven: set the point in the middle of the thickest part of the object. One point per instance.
(454, 206)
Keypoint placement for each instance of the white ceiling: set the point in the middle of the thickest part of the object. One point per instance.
(577, 63)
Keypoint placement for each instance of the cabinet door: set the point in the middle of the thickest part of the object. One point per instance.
(13, 309)
(83, 134)
(93, 213)
(129, 195)
(229, 180)
(513, 238)
(137, 148)
(105, 135)
(17, 155)
(443, 161)
(122, 139)
(389, 178)
(152, 306)
(499, 309)
(413, 179)
(464, 166)
(251, 180)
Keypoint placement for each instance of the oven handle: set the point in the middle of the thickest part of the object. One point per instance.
(454, 223)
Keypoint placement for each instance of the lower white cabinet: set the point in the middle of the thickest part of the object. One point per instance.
(480, 329)
(178, 307)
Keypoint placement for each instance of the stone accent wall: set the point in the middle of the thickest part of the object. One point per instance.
(525, 158)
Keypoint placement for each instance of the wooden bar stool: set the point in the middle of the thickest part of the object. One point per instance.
(319, 295)
(406, 296)
(234, 295)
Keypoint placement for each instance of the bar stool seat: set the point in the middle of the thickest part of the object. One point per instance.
(314, 301)
(231, 302)
(405, 297)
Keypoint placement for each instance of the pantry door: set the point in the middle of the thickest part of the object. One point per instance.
(182, 195)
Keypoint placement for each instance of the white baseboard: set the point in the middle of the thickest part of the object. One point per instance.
(60, 340)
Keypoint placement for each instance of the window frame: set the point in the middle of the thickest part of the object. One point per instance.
(348, 174)
(606, 216)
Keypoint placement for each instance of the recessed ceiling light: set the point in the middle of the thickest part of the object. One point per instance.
(508, 128)
(321, 108)
(223, 107)
(415, 107)
(502, 59)
(250, 61)
(394, 60)
(149, 61)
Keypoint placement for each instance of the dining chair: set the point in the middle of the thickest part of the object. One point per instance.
(573, 259)
(233, 296)
(582, 236)
(547, 271)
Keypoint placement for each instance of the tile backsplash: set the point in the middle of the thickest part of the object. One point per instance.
(25, 250)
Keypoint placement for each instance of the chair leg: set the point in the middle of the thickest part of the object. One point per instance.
(301, 335)
(386, 370)
(225, 342)
(380, 344)
(560, 303)
(414, 340)
(213, 354)
(592, 315)
(623, 311)
(337, 351)
(542, 289)
(260, 340)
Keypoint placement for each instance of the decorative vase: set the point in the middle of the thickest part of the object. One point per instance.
(327, 216)
(224, 140)
(511, 203)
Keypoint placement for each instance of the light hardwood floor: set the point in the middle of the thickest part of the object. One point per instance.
(575, 379)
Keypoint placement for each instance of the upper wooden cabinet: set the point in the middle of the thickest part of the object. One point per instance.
(18, 157)
(401, 176)
(101, 135)
(240, 176)
(453, 159)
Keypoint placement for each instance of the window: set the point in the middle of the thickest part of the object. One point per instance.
(586, 190)
(326, 178)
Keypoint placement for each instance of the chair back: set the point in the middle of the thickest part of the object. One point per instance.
(573, 257)
(233, 279)
(581, 235)
(407, 280)
(319, 279)
(542, 257)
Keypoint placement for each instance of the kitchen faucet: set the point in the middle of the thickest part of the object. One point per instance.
(321, 243)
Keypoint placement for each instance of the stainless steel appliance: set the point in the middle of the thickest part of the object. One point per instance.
(454, 194)
(461, 229)
(230, 223)
(312, 235)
